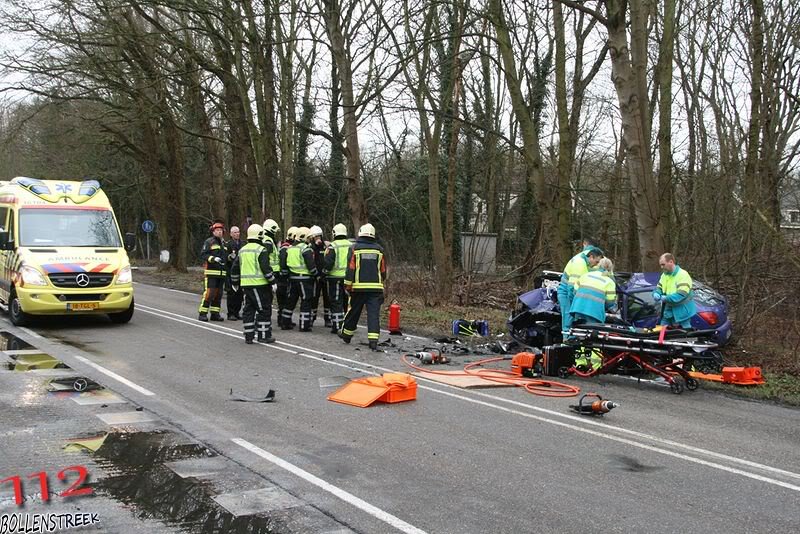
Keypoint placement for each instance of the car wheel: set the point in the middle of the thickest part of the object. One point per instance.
(17, 316)
(122, 317)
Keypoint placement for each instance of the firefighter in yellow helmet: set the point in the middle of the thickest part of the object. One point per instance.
(214, 260)
(298, 265)
(253, 266)
(335, 264)
(363, 281)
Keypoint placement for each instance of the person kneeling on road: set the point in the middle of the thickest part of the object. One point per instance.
(257, 280)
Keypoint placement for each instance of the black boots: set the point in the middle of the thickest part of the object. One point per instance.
(373, 344)
(203, 317)
(216, 317)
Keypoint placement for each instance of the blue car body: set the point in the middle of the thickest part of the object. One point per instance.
(537, 319)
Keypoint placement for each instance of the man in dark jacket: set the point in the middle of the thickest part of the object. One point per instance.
(366, 272)
(282, 277)
(318, 246)
(214, 263)
(235, 295)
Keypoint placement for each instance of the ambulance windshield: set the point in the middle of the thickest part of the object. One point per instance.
(67, 228)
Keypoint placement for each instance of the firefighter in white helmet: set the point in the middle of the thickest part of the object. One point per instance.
(366, 272)
(282, 277)
(256, 277)
(317, 244)
(335, 264)
(298, 265)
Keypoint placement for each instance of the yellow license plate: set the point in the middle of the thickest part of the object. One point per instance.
(77, 306)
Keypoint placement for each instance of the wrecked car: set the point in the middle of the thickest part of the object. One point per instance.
(536, 319)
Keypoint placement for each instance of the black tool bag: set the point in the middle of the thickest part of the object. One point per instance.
(555, 357)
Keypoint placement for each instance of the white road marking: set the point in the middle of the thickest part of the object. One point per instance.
(31, 332)
(115, 376)
(179, 318)
(347, 497)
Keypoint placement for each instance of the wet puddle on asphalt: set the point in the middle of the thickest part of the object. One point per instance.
(136, 475)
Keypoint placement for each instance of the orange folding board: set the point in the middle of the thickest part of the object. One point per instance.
(358, 394)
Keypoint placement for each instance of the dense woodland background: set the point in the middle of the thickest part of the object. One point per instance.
(649, 125)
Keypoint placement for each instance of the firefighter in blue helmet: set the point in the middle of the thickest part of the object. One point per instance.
(254, 269)
(579, 265)
(366, 272)
(214, 259)
(674, 291)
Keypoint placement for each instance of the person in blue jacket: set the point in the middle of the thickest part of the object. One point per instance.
(674, 291)
(579, 265)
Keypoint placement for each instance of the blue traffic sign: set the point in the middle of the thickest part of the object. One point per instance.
(148, 226)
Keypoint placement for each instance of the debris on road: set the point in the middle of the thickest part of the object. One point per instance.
(269, 397)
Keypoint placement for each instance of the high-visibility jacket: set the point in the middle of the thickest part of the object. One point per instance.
(676, 288)
(366, 266)
(254, 268)
(595, 292)
(336, 258)
(272, 250)
(576, 267)
(214, 248)
(300, 261)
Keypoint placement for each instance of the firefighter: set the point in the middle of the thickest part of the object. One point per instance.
(235, 295)
(674, 290)
(283, 280)
(366, 271)
(302, 271)
(254, 267)
(215, 259)
(579, 265)
(318, 245)
(335, 264)
(269, 240)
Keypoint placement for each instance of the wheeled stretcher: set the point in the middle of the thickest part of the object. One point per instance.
(667, 352)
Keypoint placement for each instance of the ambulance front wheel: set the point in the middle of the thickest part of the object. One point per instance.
(17, 316)
(122, 317)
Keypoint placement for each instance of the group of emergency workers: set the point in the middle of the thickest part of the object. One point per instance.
(347, 275)
(587, 291)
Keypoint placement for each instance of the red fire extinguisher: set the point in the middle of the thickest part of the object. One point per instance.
(394, 318)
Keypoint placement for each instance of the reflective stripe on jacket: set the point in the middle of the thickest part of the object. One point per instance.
(366, 266)
(273, 253)
(595, 292)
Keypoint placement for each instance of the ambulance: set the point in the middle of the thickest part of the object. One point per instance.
(61, 251)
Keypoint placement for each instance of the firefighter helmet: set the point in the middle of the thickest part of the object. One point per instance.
(366, 231)
(254, 231)
(217, 224)
(291, 233)
(315, 231)
(340, 229)
(301, 234)
(270, 226)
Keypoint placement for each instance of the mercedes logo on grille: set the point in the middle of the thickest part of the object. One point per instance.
(82, 280)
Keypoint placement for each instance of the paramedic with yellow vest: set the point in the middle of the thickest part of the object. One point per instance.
(675, 292)
(254, 267)
(335, 270)
(214, 259)
(579, 265)
(366, 271)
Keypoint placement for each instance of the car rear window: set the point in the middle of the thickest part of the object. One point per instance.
(706, 296)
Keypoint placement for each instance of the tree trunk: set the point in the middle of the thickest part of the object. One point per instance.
(339, 50)
(664, 81)
(644, 190)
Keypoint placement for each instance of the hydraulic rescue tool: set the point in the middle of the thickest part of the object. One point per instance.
(597, 407)
(430, 356)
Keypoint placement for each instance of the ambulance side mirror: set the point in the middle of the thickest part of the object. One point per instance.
(6, 243)
(130, 242)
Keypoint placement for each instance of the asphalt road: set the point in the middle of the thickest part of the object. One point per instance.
(455, 460)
